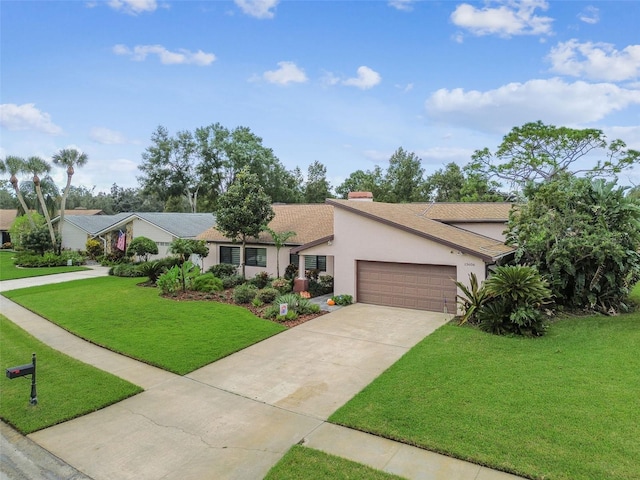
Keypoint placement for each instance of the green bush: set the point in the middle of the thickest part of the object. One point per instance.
(207, 283)
(152, 270)
(516, 295)
(295, 302)
(169, 282)
(232, 281)
(267, 295)
(291, 315)
(126, 270)
(271, 312)
(48, 259)
(261, 279)
(282, 285)
(223, 270)
(342, 299)
(142, 247)
(244, 293)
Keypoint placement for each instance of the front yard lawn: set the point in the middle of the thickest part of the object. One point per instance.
(179, 336)
(302, 463)
(564, 406)
(66, 388)
(8, 271)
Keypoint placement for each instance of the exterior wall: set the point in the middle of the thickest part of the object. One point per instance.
(359, 238)
(491, 230)
(73, 238)
(214, 258)
(141, 228)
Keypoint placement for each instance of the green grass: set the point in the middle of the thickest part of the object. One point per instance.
(8, 271)
(302, 463)
(114, 312)
(66, 388)
(635, 294)
(564, 406)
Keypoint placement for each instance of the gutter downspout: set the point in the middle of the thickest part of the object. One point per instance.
(104, 245)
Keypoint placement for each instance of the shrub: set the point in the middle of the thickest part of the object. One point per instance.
(271, 312)
(232, 281)
(282, 285)
(244, 293)
(169, 282)
(223, 270)
(49, 259)
(516, 295)
(295, 302)
(342, 299)
(472, 299)
(152, 270)
(94, 248)
(207, 283)
(291, 315)
(291, 271)
(170, 262)
(261, 279)
(326, 282)
(142, 247)
(126, 270)
(267, 295)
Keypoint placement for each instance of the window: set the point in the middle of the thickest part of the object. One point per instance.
(230, 255)
(255, 257)
(311, 262)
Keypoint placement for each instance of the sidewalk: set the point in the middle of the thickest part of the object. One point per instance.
(237, 417)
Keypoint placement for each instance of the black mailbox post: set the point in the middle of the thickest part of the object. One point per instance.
(23, 370)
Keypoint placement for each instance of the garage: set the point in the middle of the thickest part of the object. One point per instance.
(407, 285)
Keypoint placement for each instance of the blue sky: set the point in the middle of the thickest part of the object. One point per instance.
(342, 82)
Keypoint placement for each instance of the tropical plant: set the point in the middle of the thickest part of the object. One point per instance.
(14, 166)
(472, 299)
(169, 282)
(37, 167)
(70, 158)
(152, 270)
(279, 240)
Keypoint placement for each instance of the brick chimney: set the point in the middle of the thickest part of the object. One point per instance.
(361, 196)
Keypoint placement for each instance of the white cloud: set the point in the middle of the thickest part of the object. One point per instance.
(551, 101)
(27, 117)
(133, 7)
(590, 15)
(404, 5)
(506, 19)
(288, 72)
(367, 78)
(167, 57)
(106, 136)
(597, 61)
(444, 154)
(258, 8)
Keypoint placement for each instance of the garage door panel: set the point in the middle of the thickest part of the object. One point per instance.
(406, 285)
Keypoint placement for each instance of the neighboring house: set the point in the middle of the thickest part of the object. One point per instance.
(162, 228)
(397, 255)
(7, 216)
(312, 223)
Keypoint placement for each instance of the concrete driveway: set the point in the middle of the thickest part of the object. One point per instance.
(235, 418)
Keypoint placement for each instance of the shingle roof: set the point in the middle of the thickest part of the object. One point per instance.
(409, 218)
(464, 212)
(310, 222)
(83, 211)
(181, 225)
(7, 216)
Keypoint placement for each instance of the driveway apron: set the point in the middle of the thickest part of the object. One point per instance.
(235, 418)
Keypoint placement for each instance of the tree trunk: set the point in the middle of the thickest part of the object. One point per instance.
(14, 182)
(45, 211)
(63, 202)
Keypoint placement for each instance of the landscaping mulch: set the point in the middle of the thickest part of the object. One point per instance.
(227, 297)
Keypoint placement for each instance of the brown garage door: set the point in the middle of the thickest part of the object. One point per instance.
(407, 285)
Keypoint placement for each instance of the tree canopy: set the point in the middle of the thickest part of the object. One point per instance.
(243, 210)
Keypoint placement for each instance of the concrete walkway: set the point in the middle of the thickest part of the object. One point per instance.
(235, 418)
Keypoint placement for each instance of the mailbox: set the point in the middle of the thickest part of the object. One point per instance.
(21, 370)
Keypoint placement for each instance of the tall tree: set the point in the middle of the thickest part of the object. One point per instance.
(14, 166)
(317, 188)
(243, 210)
(538, 152)
(455, 184)
(70, 158)
(37, 166)
(405, 177)
(365, 181)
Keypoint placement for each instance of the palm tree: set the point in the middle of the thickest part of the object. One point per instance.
(37, 166)
(279, 240)
(70, 158)
(14, 166)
